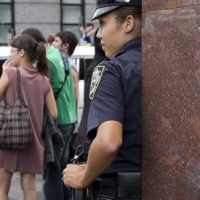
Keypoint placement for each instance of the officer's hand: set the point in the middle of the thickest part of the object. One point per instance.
(72, 176)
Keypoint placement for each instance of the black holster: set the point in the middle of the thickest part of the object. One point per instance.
(124, 185)
(129, 184)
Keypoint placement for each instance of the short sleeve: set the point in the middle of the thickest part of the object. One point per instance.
(47, 86)
(11, 73)
(108, 101)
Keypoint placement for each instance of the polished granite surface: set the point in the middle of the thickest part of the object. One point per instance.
(171, 100)
(151, 5)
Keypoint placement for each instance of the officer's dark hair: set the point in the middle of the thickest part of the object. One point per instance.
(70, 38)
(35, 33)
(124, 11)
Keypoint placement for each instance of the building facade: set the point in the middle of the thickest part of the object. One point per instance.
(50, 16)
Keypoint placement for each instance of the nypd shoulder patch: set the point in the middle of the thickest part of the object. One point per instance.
(96, 78)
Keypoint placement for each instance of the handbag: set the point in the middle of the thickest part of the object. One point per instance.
(15, 125)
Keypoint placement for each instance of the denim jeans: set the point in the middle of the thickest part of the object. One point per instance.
(53, 185)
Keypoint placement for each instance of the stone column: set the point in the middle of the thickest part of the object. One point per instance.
(171, 100)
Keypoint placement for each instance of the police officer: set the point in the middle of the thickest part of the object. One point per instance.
(113, 167)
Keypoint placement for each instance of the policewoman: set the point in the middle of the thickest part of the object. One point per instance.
(113, 168)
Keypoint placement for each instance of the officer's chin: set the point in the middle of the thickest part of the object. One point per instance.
(109, 54)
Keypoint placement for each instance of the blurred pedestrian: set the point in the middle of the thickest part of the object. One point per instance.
(50, 39)
(10, 36)
(114, 160)
(66, 42)
(29, 58)
(59, 74)
(87, 33)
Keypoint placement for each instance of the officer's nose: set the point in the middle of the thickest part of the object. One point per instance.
(98, 35)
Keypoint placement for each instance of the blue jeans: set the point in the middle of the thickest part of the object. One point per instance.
(53, 185)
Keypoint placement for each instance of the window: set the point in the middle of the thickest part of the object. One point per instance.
(72, 15)
(6, 19)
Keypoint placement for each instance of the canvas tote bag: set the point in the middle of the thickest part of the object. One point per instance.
(15, 125)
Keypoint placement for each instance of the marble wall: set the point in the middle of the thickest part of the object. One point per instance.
(171, 100)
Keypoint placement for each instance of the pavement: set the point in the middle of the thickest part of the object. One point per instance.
(15, 192)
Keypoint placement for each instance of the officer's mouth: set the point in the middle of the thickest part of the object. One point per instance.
(103, 46)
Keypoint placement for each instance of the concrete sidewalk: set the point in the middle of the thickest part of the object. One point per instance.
(15, 189)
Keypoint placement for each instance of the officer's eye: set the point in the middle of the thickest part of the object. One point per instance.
(101, 22)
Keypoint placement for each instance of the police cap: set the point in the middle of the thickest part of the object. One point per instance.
(105, 6)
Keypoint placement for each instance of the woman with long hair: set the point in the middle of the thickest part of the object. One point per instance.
(29, 58)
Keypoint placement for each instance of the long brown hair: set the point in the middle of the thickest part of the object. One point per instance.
(36, 52)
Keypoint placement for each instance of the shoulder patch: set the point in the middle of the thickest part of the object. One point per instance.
(96, 78)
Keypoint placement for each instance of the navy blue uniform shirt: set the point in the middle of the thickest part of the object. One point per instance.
(115, 94)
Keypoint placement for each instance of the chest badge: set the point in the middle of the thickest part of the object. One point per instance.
(96, 78)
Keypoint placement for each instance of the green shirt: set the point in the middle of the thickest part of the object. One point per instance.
(66, 103)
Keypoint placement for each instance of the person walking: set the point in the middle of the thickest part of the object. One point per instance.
(28, 57)
(114, 123)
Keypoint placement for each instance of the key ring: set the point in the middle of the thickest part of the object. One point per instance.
(79, 151)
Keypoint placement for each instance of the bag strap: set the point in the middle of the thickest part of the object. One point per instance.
(56, 94)
(19, 95)
(66, 68)
(18, 84)
(65, 62)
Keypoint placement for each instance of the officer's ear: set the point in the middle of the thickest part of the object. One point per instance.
(129, 24)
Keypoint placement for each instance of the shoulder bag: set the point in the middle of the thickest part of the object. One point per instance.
(15, 125)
